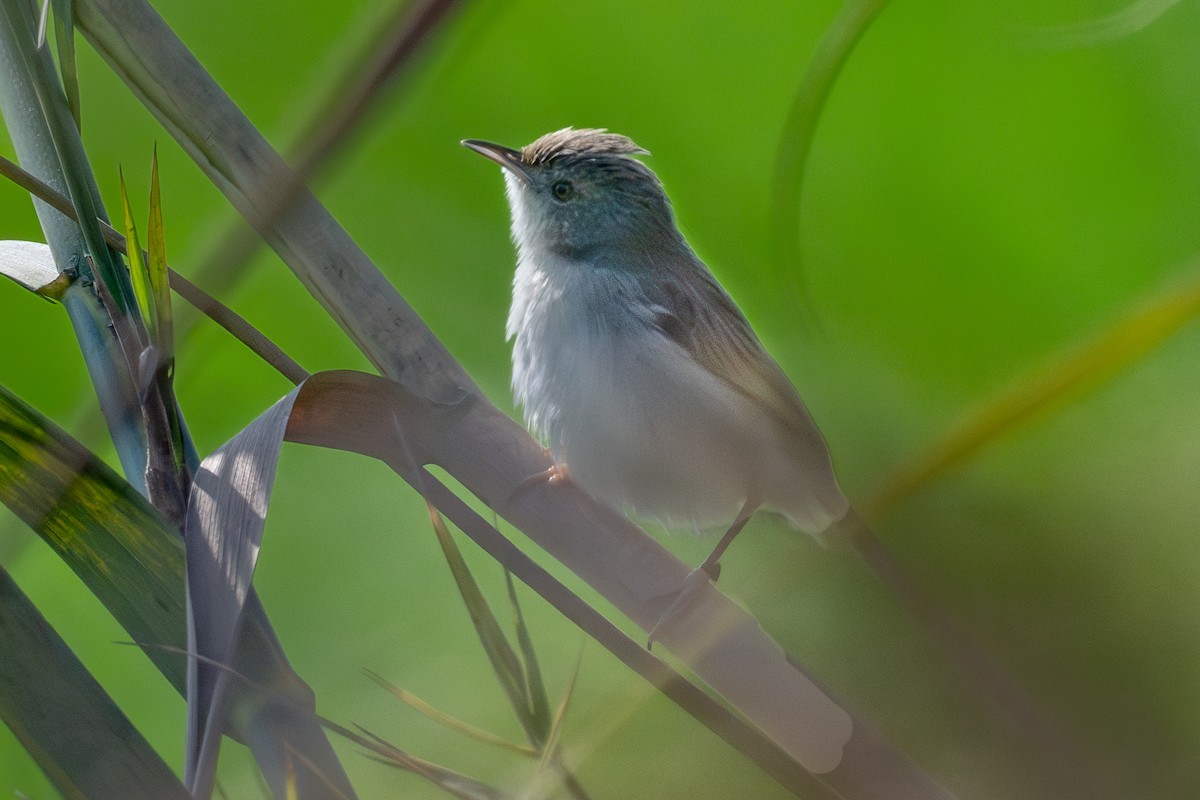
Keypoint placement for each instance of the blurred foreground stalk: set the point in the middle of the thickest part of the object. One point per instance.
(47, 142)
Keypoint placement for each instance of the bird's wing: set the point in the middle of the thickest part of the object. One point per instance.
(699, 316)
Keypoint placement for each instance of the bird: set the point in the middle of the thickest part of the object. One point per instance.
(633, 364)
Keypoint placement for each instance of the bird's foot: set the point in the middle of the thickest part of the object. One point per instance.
(556, 474)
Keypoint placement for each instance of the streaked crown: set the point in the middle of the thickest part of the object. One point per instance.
(570, 144)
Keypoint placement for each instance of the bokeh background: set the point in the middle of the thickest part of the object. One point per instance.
(989, 187)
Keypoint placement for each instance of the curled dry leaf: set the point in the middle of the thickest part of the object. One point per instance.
(31, 264)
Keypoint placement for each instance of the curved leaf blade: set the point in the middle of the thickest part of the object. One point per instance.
(225, 517)
(122, 549)
(795, 143)
(66, 721)
(32, 265)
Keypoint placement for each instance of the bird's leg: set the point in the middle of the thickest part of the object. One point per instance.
(553, 475)
(712, 564)
(709, 570)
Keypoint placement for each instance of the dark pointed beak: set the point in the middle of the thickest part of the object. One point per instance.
(504, 156)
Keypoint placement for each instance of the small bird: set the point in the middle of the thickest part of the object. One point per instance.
(634, 365)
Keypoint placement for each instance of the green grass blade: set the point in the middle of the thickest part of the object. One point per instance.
(550, 757)
(64, 39)
(539, 702)
(560, 714)
(142, 290)
(500, 653)
(66, 721)
(159, 283)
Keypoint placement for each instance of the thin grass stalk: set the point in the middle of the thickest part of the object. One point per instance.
(437, 715)
(455, 783)
(202, 301)
(405, 35)
(505, 664)
(799, 130)
(1065, 377)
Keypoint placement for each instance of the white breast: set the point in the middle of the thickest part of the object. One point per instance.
(638, 423)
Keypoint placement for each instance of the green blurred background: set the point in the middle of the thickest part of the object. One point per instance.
(985, 191)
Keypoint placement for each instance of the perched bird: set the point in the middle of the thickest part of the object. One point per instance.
(633, 364)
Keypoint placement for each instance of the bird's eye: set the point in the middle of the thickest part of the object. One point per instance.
(563, 190)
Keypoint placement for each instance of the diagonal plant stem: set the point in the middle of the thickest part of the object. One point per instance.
(503, 658)
(406, 33)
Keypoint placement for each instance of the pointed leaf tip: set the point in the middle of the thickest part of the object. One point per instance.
(156, 245)
(142, 291)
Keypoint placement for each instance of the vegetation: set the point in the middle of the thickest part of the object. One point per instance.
(968, 234)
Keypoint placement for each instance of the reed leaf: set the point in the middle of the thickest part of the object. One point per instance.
(71, 727)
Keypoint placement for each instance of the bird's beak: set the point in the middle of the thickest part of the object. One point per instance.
(504, 156)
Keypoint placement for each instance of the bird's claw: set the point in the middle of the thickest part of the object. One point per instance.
(554, 475)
